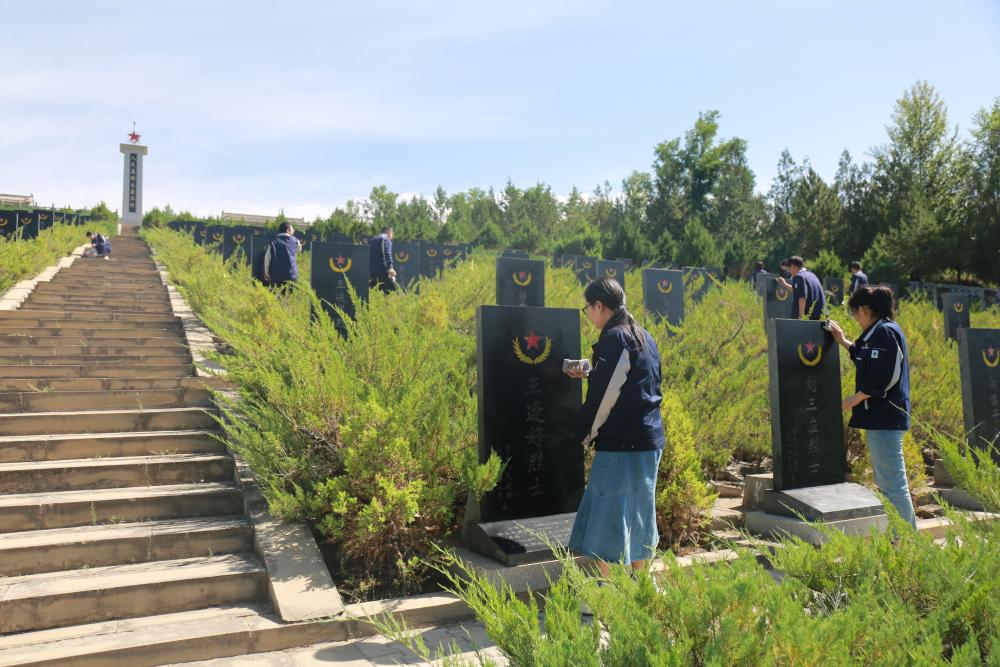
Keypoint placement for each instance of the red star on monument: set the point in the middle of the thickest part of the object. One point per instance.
(341, 260)
(810, 346)
(990, 351)
(133, 136)
(522, 275)
(532, 340)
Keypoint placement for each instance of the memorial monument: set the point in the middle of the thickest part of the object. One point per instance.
(663, 294)
(334, 266)
(807, 442)
(955, 307)
(529, 415)
(520, 282)
(613, 269)
(133, 152)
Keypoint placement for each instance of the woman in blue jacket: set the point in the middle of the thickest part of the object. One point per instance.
(616, 520)
(881, 402)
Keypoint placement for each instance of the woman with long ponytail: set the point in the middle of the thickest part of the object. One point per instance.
(616, 520)
(881, 402)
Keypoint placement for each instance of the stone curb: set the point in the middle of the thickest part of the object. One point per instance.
(16, 295)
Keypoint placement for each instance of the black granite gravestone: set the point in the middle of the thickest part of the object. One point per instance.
(58, 217)
(529, 415)
(956, 313)
(629, 264)
(236, 240)
(259, 242)
(465, 249)
(778, 300)
(43, 219)
(807, 431)
(27, 227)
(834, 287)
(894, 288)
(406, 262)
(8, 223)
(585, 267)
(200, 233)
(513, 252)
(663, 293)
(567, 261)
(214, 237)
(431, 259)
(979, 366)
(615, 270)
(452, 253)
(697, 281)
(334, 266)
(520, 282)
(759, 283)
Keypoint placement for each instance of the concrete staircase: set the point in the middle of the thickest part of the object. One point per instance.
(122, 526)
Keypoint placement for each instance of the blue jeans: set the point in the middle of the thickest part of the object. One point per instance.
(886, 449)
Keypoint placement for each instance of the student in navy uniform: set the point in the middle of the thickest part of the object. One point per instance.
(809, 299)
(100, 244)
(381, 272)
(858, 277)
(616, 520)
(281, 266)
(881, 402)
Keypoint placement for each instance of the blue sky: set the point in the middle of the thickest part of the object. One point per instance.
(258, 106)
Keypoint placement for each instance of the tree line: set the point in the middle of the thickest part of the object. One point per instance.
(925, 205)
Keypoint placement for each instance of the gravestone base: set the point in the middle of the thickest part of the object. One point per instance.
(520, 541)
(850, 508)
(826, 503)
(535, 576)
(764, 524)
(944, 485)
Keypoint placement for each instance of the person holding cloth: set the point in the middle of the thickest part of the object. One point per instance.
(616, 520)
(881, 402)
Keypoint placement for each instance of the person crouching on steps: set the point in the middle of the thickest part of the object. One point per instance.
(616, 520)
(100, 244)
(881, 402)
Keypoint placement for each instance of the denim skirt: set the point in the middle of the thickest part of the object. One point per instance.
(616, 521)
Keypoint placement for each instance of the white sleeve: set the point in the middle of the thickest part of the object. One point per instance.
(611, 394)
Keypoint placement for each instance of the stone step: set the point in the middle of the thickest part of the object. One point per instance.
(170, 348)
(48, 348)
(61, 401)
(95, 371)
(57, 599)
(105, 421)
(15, 448)
(59, 301)
(92, 507)
(57, 286)
(204, 634)
(84, 319)
(107, 384)
(105, 336)
(114, 473)
(38, 551)
(30, 306)
(172, 360)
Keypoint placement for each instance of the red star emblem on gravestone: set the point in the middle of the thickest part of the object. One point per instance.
(810, 347)
(341, 260)
(990, 351)
(532, 340)
(522, 275)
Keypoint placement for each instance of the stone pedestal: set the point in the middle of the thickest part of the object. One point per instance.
(132, 183)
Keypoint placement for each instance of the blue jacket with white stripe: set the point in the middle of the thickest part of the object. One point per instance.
(622, 409)
(882, 370)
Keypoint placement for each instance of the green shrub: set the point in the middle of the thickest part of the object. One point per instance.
(682, 495)
(897, 598)
(24, 259)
